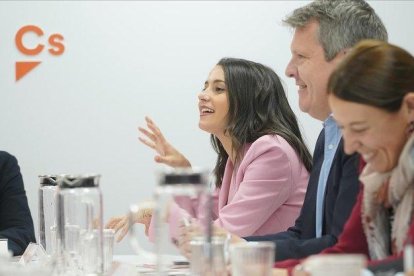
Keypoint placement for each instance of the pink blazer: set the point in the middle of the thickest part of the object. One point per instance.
(263, 196)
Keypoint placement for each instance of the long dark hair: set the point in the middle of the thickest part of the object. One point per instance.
(257, 106)
(374, 73)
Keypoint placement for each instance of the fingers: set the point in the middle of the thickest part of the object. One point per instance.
(112, 222)
(155, 129)
(147, 133)
(144, 213)
(122, 234)
(184, 246)
(185, 250)
(185, 236)
(183, 241)
(156, 139)
(147, 143)
(156, 132)
(109, 224)
(167, 153)
(121, 225)
(118, 223)
(149, 120)
(219, 231)
(147, 213)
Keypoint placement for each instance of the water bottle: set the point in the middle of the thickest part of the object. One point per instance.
(177, 188)
(47, 211)
(79, 225)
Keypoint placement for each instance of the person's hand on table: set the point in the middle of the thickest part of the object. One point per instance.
(167, 154)
(409, 273)
(121, 223)
(189, 229)
(279, 272)
(221, 232)
(300, 271)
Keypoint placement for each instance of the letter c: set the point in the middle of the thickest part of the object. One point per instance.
(19, 40)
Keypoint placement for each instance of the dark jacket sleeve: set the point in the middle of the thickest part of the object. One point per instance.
(342, 188)
(16, 222)
(353, 240)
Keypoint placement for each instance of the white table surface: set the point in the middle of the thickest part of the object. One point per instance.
(132, 265)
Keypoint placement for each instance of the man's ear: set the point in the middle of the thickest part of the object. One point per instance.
(346, 51)
(341, 54)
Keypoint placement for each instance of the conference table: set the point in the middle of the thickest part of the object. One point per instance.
(131, 265)
(134, 265)
(128, 265)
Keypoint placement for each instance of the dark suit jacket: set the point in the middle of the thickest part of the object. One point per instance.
(342, 188)
(16, 223)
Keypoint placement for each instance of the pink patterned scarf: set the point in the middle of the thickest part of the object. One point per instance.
(394, 189)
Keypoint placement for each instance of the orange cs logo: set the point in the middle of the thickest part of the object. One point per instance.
(56, 48)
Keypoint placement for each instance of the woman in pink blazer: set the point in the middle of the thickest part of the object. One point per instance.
(262, 166)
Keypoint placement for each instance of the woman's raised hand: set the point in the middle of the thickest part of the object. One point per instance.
(167, 154)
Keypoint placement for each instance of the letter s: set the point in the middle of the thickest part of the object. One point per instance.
(57, 46)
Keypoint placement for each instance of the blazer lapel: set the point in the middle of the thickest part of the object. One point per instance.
(225, 185)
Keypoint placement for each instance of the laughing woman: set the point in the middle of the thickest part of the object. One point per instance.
(262, 164)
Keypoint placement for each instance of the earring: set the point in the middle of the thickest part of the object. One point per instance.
(410, 128)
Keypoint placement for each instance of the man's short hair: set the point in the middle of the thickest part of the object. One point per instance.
(342, 23)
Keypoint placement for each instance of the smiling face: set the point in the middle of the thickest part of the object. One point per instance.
(311, 71)
(379, 136)
(214, 104)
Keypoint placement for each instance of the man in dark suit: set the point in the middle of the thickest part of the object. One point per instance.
(16, 222)
(324, 31)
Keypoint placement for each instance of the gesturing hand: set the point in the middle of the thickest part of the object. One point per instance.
(167, 154)
(121, 224)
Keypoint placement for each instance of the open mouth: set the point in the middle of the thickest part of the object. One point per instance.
(206, 110)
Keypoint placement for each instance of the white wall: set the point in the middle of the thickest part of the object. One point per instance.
(123, 60)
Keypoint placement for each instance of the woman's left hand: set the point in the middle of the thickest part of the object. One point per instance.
(187, 231)
(121, 223)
